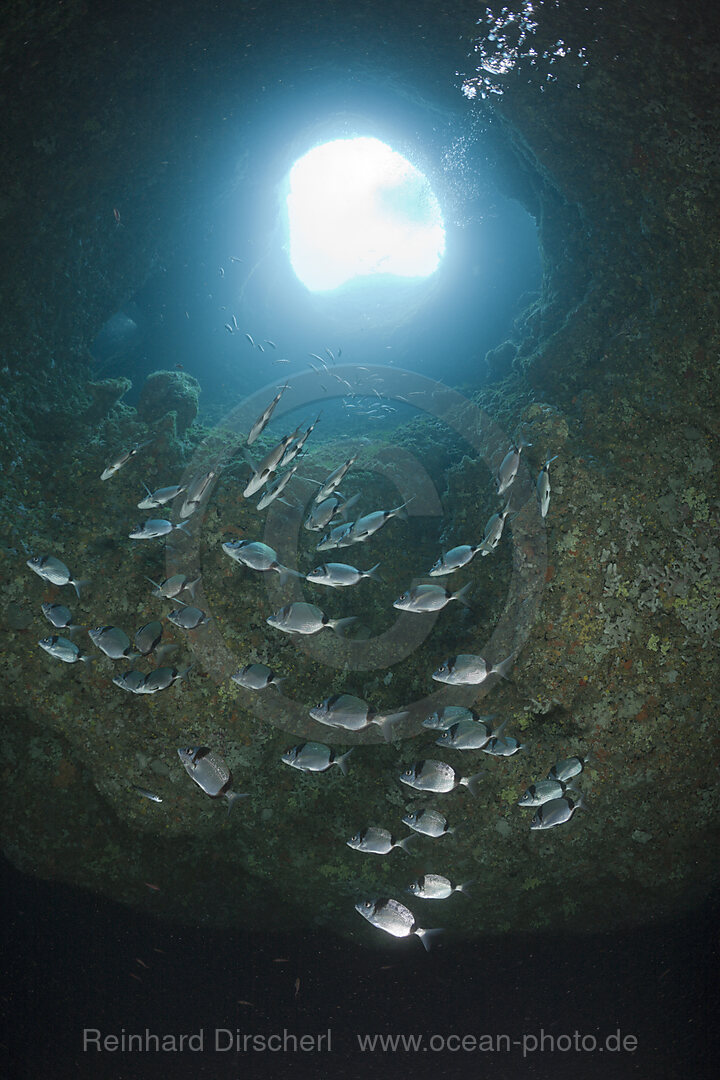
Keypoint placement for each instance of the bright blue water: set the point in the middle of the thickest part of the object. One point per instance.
(231, 259)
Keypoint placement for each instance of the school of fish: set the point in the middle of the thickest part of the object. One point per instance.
(554, 799)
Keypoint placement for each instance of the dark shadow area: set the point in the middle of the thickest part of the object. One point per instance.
(73, 962)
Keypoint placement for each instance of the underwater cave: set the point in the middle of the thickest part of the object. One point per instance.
(154, 301)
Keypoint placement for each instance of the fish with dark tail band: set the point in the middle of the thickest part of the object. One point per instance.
(437, 776)
(210, 772)
(315, 757)
(394, 918)
(56, 572)
(543, 486)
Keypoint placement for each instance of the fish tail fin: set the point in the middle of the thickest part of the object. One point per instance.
(408, 844)
(387, 723)
(341, 625)
(192, 586)
(233, 796)
(286, 574)
(591, 760)
(462, 594)
(245, 455)
(342, 761)
(277, 682)
(466, 887)
(78, 584)
(428, 936)
(184, 526)
(496, 731)
(87, 658)
(399, 511)
(347, 505)
(471, 782)
(372, 573)
(70, 630)
(504, 666)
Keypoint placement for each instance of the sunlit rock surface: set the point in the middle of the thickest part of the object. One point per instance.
(615, 371)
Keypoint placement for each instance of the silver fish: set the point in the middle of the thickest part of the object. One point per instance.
(427, 822)
(454, 559)
(256, 677)
(466, 669)
(210, 772)
(147, 794)
(467, 735)
(335, 538)
(258, 556)
(173, 586)
(295, 447)
(321, 514)
(335, 479)
(130, 680)
(510, 465)
(148, 637)
(367, 526)
(437, 776)
(188, 618)
(378, 841)
(113, 641)
(51, 569)
(302, 618)
(436, 887)
(502, 746)
(122, 459)
(543, 791)
(423, 598)
(161, 679)
(264, 418)
(543, 486)
(338, 575)
(59, 616)
(555, 812)
(353, 714)
(154, 527)
(315, 757)
(197, 489)
(159, 497)
(569, 767)
(449, 715)
(494, 530)
(61, 648)
(394, 918)
(276, 489)
(268, 466)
